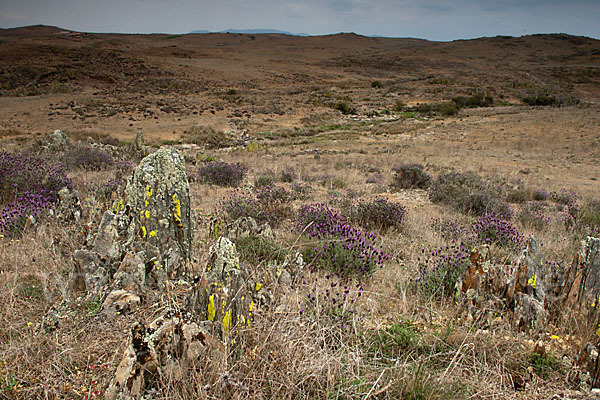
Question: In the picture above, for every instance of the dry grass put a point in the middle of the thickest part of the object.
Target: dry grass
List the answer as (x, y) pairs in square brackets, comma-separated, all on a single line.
[(285, 354)]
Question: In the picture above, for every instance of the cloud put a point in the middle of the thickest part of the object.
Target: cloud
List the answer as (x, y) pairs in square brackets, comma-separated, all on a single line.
[(430, 19)]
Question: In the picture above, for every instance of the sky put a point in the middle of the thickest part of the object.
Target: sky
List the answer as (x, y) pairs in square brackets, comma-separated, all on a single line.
[(428, 19)]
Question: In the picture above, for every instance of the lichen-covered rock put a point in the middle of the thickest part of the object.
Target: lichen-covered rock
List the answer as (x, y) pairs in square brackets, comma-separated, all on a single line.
[(247, 226), (223, 258), (158, 194), (120, 302), (131, 274), (68, 207), (58, 138), (91, 273), (165, 350), (108, 242)]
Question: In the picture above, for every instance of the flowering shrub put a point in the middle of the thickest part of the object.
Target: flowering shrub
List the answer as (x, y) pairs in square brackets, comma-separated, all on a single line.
[(491, 229), (533, 214), (288, 175), (564, 197), (468, 193), (266, 178), (336, 299), (270, 204), (341, 247), (222, 174), (440, 270), (379, 213), (28, 186), (103, 191), (410, 176), (450, 229), (320, 218), (87, 157), (242, 204), (540, 194)]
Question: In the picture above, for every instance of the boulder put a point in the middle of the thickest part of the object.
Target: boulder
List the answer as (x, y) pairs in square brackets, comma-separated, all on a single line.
[(120, 302), (167, 349), (158, 194)]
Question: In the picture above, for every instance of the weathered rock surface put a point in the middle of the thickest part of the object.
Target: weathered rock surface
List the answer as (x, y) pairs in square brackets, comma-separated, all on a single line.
[(119, 302), (158, 195), (146, 238), (165, 350)]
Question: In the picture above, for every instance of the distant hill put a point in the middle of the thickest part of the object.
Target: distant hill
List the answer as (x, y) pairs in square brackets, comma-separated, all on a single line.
[(254, 31)]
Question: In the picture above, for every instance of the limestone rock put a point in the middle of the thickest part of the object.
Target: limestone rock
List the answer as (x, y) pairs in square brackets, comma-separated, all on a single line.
[(165, 350), (91, 273), (69, 206), (158, 194), (119, 302), (247, 226), (107, 243), (131, 273), (58, 138), (223, 258)]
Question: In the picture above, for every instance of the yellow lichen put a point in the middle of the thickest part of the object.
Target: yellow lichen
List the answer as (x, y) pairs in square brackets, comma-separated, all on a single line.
[(227, 322), (531, 282), (211, 308), (143, 231), (147, 214), (148, 191)]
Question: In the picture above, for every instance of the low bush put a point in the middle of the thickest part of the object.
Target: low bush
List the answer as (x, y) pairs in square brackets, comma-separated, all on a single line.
[(341, 248), (223, 174), (476, 100), (378, 214), (257, 249), (88, 158), (29, 186), (265, 178), (288, 175), (468, 193), (344, 107), (410, 176), (440, 270), (494, 230)]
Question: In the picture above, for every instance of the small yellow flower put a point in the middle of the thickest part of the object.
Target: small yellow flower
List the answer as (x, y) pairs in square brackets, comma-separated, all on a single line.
[(152, 233), (258, 286), (531, 282), (147, 214), (29, 324), (554, 337)]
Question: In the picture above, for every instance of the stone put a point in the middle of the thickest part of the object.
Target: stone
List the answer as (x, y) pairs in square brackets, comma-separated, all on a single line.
[(158, 194), (107, 243), (68, 207), (223, 258), (120, 302), (247, 226), (58, 138), (131, 273), (91, 273), (167, 349)]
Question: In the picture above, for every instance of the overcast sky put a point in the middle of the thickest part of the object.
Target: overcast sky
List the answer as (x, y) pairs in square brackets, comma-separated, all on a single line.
[(428, 19)]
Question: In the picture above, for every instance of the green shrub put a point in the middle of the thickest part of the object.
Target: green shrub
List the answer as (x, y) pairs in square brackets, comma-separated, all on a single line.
[(410, 176), (376, 84), (344, 107), (257, 249)]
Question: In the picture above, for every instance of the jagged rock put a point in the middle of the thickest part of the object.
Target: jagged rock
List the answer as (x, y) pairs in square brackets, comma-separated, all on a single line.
[(131, 273), (529, 313), (107, 243), (247, 226), (91, 273), (58, 138), (158, 194), (119, 302), (165, 350), (69, 206), (223, 258)]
